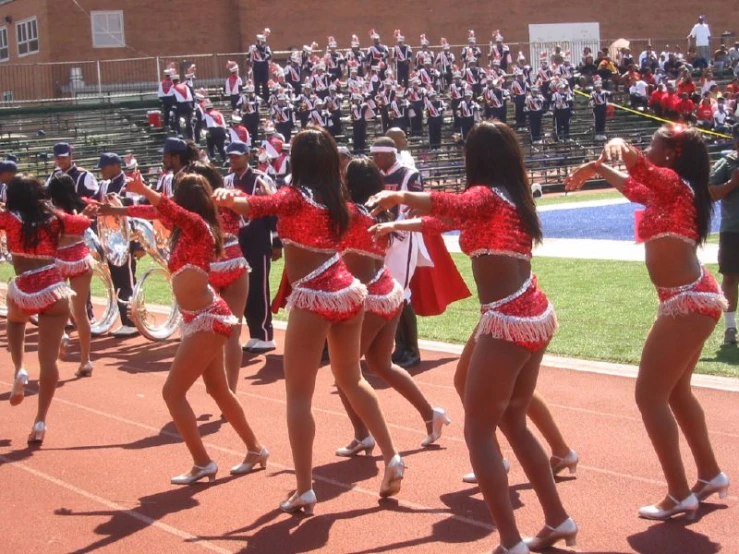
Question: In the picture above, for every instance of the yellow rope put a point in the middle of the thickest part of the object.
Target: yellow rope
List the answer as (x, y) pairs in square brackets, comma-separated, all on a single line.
[(654, 117)]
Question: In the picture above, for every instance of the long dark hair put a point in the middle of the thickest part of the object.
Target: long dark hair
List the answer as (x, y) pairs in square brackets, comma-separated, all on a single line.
[(363, 180), (210, 172), (493, 157), (63, 193), (316, 165), (27, 197), (193, 192), (192, 154), (692, 164)]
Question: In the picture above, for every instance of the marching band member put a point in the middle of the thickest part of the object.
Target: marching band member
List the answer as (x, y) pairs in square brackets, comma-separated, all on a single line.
[(165, 93), (309, 59), (335, 60), (491, 100), (199, 114), (190, 78), (543, 80), (237, 132), (357, 56), (466, 111), (445, 63), (562, 101), (378, 53), (424, 55), (500, 52), (176, 155), (384, 98), (234, 84), (365, 258), (196, 242), (518, 91), (360, 113), (85, 182), (416, 96), (260, 55), (599, 103), (456, 94), (320, 81), (249, 105), (216, 135), (282, 116), (398, 110), (474, 77), (402, 54), (326, 302), (124, 277), (75, 264), (333, 105), (497, 218), (471, 52), (535, 109), (33, 231), (292, 73), (671, 180), (185, 107), (435, 109), (427, 75), (305, 104)]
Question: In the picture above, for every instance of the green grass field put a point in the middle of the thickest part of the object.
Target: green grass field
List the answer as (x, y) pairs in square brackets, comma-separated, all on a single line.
[(605, 310), (573, 197)]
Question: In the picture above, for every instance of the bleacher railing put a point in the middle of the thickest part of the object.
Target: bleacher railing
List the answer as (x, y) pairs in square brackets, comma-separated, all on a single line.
[(137, 78)]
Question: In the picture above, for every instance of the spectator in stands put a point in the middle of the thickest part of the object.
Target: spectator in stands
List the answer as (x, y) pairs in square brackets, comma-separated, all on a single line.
[(705, 113), (655, 100), (685, 84), (685, 107), (734, 55), (721, 116), (700, 35), (648, 58), (639, 94), (672, 66), (733, 87), (721, 59), (587, 69), (659, 76), (724, 183), (557, 58), (668, 102), (707, 81), (648, 76)]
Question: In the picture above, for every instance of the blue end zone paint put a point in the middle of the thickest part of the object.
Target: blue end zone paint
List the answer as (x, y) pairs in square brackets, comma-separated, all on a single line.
[(615, 222)]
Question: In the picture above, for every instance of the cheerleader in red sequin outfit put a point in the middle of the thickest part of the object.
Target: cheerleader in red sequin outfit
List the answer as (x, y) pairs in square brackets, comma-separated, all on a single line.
[(498, 221), (76, 264), (671, 181), (33, 231), (196, 239), (326, 301), (229, 275), (365, 258)]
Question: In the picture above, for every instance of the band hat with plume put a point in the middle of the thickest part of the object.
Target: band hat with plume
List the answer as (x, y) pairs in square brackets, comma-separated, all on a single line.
[(471, 36), (232, 66), (374, 35), (444, 43), (331, 42), (191, 71), (263, 36), (424, 40), (355, 41), (398, 36)]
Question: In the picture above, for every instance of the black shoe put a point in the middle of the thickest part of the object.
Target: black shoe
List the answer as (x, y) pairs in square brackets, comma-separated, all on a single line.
[(398, 355), (411, 359), (125, 332)]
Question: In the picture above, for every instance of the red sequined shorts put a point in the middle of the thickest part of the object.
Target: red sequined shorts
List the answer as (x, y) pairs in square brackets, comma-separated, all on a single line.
[(525, 318), (385, 296), (216, 318), (702, 296), (37, 290), (74, 260), (330, 291), (229, 269)]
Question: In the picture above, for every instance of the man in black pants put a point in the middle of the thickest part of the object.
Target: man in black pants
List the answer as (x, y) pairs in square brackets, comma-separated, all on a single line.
[(259, 57), (259, 248), (123, 276)]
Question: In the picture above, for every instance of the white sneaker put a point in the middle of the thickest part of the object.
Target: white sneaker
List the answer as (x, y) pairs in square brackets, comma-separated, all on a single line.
[(256, 346), (124, 332)]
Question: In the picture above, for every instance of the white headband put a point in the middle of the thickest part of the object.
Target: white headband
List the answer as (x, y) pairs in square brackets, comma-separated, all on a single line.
[(383, 150)]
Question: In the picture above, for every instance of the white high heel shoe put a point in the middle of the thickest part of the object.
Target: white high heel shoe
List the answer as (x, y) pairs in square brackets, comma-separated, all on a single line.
[(356, 446), (257, 459), (719, 484), (520, 548), (566, 531), (64, 346), (19, 383), (471, 478), (38, 432), (305, 502), (568, 462), (394, 471), (196, 474), (687, 506), (439, 419)]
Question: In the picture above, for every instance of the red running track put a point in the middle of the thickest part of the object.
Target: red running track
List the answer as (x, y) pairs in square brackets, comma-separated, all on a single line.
[(101, 480)]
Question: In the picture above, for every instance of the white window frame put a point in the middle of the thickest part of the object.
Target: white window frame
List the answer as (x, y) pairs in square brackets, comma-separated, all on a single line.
[(4, 31), (25, 23), (106, 14)]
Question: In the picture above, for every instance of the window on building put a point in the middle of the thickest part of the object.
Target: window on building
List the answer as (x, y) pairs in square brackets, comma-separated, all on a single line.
[(26, 34), (4, 50), (107, 29)]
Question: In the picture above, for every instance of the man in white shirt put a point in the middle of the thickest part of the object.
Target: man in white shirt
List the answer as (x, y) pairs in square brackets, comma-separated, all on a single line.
[(701, 35), (401, 143), (639, 94), (734, 55)]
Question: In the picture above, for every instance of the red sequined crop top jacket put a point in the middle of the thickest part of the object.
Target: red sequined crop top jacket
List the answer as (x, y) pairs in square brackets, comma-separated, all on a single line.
[(358, 239), (302, 222), (195, 247), (48, 235), (668, 200), (231, 222), (489, 222)]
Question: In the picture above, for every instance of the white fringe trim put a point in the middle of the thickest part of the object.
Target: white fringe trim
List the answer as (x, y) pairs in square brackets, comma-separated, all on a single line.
[(384, 304), (204, 322), (228, 265), (39, 300), (77, 267), (340, 301), (691, 302), (516, 329)]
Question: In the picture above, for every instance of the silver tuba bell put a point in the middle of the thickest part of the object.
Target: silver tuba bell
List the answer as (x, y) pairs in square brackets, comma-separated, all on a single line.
[(105, 321)]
